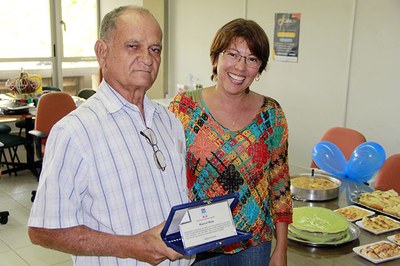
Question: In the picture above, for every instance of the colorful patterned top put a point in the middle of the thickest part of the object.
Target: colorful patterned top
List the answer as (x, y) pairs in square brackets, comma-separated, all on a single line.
[(252, 162)]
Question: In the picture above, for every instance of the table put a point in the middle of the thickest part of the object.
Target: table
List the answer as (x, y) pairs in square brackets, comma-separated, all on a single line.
[(299, 255), (30, 151)]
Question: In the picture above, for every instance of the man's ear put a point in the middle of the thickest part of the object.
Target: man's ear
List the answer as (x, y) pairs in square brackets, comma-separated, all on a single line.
[(101, 50)]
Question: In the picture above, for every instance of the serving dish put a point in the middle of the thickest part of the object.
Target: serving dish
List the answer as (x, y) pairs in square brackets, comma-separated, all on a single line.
[(305, 194), (354, 233), (393, 239), (354, 197), (361, 224), (358, 217), (358, 249)]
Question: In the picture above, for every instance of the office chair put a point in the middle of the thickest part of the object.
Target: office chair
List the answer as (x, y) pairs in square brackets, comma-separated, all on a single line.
[(4, 217), (21, 124), (11, 143), (51, 108), (85, 93), (346, 139), (388, 177), (3, 214), (46, 89)]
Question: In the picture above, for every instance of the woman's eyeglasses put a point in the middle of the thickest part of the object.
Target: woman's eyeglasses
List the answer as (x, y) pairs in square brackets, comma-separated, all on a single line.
[(151, 138), (234, 57)]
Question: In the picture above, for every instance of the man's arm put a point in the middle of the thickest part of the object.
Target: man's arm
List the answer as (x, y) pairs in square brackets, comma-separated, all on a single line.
[(146, 246)]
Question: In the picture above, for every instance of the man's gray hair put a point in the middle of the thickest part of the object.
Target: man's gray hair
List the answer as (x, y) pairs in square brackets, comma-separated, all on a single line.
[(109, 21)]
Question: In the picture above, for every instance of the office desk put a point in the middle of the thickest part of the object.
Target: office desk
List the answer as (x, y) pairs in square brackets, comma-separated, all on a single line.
[(30, 151), (301, 255)]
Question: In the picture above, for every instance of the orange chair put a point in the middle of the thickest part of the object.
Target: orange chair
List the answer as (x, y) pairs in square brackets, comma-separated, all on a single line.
[(388, 176), (51, 108), (346, 139)]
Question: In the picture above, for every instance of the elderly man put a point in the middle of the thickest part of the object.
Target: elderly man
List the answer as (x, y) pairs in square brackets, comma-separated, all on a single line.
[(115, 166)]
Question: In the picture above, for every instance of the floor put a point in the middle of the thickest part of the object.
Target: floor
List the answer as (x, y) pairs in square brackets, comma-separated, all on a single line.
[(15, 246)]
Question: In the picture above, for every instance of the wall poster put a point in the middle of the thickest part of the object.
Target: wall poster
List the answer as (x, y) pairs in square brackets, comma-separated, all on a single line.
[(286, 37)]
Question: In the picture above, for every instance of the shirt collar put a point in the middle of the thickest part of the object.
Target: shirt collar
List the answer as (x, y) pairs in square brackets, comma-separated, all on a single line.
[(114, 102)]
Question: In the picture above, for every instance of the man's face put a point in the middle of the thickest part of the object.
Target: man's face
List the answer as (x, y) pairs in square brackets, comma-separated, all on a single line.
[(134, 53)]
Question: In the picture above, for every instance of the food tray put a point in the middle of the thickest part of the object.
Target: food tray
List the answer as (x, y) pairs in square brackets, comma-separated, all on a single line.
[(360, 224), (357, 250), (354, 199), (391, 239), (369, 212), (354, 232)]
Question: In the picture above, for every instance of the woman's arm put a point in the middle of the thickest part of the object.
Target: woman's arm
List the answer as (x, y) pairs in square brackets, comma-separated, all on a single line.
[(279, 256)]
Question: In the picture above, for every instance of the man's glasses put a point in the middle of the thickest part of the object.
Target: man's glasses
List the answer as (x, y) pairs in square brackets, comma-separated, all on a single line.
[(151, 138), (234, 57)]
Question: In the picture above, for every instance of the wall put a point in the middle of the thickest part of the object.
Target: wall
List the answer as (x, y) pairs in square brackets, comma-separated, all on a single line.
[(313, 91), (108, 5), (158, 8), (193, 24), (346, 74), (373, 102)]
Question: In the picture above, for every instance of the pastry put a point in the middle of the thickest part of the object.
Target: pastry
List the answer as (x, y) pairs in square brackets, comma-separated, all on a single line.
[(352, 213), (379, 223), (396, 238), (393, 210), (381, 250), (386, 201)]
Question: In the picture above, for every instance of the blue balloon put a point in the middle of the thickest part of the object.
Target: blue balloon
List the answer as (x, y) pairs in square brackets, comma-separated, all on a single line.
[(365, 160), (328, 157)]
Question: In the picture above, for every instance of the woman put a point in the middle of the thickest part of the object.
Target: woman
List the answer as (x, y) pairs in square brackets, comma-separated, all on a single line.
[(237, 141)]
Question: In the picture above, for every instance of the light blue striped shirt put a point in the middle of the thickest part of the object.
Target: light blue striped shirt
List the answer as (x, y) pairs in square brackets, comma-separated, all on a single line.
[(98, 171)]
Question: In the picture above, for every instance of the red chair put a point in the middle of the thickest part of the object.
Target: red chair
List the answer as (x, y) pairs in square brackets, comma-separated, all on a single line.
[(388, 176), (51, 108), (346, 139)]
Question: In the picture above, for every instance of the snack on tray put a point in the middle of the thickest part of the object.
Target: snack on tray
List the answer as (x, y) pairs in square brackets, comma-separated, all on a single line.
[(381, 250), (393, 210), (380, 223), (352, 213), (386, 201)]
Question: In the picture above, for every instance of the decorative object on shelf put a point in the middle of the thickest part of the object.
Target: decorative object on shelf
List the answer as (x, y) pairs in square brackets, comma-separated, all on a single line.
[(25, 86)]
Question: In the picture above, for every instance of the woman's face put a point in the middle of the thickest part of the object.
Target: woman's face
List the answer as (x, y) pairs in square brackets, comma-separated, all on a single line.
[(234, 76)]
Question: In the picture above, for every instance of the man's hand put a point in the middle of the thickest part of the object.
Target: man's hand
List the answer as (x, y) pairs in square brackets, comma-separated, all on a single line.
[(146, 246), (152, 248)]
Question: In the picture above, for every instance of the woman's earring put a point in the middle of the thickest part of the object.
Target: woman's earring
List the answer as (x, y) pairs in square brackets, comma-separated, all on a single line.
[(257, 78)]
